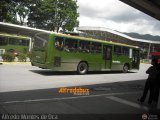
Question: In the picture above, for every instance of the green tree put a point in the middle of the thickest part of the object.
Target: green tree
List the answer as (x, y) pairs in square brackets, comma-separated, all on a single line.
[(54, 14), (22, 10), (44, 14), (143, 54), (13, 10), (7, 11)]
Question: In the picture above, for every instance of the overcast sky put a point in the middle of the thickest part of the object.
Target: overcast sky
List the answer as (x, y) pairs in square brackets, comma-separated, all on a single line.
[(116, 15)]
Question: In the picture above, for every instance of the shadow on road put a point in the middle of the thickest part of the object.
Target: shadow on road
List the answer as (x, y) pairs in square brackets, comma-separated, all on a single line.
[(52, 73), (104, 88)]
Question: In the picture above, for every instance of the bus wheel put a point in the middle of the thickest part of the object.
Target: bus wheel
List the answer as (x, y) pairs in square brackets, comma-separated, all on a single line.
[(125, 68), (82, 68)]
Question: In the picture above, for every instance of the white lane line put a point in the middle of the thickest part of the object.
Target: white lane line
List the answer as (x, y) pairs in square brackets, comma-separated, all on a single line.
[(135, 105), (67, 98)]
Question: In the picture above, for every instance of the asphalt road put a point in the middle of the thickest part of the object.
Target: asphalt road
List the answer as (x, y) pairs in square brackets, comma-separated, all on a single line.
[(106, 101), (31, 93), (26, 77)]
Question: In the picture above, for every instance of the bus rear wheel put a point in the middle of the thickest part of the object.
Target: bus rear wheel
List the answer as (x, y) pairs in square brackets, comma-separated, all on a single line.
[(82, 68), (125, 68)]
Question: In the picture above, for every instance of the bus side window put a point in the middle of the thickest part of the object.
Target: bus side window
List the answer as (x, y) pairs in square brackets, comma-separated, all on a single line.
[(117, 50), (125, 51), (95, 47), (70, 45), (59, 42), (84, 46)]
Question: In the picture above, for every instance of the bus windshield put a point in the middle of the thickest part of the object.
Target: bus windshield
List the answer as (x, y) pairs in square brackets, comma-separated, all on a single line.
[(40, 41)]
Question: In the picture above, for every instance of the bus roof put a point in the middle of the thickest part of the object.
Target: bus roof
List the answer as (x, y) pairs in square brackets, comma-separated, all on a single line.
[(95, 40)]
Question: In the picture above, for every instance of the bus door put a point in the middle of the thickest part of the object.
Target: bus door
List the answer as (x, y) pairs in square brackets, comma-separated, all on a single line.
[(135, 59), (107, 56)]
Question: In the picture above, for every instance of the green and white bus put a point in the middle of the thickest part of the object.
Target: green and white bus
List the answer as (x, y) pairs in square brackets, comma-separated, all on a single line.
[(61, 52)]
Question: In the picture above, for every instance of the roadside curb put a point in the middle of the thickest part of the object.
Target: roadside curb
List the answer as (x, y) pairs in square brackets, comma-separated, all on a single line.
[(145, 63), (15, 63)]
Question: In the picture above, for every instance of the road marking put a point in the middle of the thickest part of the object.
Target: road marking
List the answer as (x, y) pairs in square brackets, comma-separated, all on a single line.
[(67, 98), (128, 103)]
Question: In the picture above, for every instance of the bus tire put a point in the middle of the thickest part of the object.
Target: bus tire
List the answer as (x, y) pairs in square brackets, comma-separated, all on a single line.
[(82, 68), (125, 68)]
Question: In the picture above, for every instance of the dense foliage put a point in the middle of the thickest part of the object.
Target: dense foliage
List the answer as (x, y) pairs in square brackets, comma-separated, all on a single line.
[(8, 57), (43, 14)]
